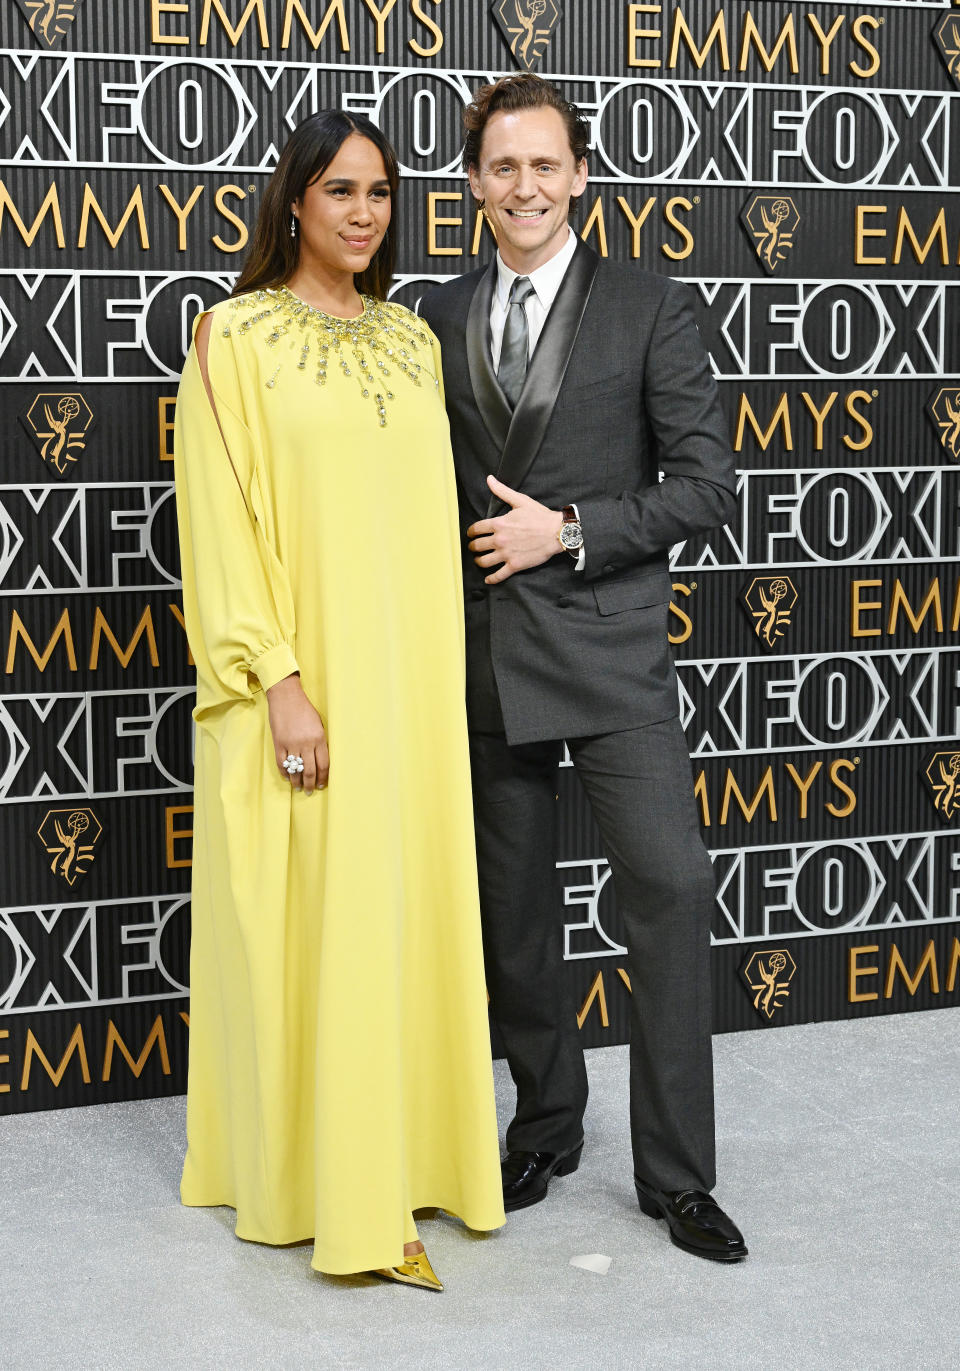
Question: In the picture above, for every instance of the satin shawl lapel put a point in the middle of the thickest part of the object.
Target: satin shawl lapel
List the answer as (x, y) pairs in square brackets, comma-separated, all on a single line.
[(491, 401), (547, 369)]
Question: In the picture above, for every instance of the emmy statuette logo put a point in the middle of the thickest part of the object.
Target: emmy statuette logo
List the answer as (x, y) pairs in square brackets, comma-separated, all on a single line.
[(528, 26), (768, 976), (946, 38), (942, 773), (58, 422), (769, 600), (49, 20), (770, 222), (944, 410), (70, 837)]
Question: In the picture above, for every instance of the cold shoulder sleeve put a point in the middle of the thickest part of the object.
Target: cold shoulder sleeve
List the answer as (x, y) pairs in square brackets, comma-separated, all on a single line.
[(238, 605)]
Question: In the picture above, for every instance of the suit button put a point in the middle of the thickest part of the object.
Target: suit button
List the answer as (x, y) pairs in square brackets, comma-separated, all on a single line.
[(564, 602), (609, 567), (478, 595)]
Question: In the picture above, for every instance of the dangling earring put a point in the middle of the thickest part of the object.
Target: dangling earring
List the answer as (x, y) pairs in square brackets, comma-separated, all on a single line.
[(293, 224)]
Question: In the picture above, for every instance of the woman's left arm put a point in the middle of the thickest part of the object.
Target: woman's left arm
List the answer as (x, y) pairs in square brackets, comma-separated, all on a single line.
[(237, 601)]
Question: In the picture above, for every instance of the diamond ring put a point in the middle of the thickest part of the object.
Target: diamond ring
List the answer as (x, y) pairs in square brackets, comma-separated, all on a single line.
[(293, 765)]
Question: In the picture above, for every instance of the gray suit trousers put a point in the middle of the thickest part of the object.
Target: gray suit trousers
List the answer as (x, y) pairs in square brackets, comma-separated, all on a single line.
[(638, 784)]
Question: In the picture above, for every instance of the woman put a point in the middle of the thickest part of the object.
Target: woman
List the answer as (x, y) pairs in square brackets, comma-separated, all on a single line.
[(340, 1071)]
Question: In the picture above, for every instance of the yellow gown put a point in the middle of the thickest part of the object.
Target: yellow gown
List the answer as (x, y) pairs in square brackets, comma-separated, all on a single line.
[(340, 1072)]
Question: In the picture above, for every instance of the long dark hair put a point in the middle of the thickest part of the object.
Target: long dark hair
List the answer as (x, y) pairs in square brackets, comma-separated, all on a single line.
[(273, 255)]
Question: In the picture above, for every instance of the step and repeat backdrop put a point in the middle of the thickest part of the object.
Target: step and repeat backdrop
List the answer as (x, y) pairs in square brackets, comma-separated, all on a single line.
[(797, 164)]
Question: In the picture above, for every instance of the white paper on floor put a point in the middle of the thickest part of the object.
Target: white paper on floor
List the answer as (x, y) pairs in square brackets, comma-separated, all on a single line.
[(592, 1261)]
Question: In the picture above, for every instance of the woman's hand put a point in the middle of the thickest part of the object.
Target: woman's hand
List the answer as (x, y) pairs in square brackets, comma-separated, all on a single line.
[(298, 731)]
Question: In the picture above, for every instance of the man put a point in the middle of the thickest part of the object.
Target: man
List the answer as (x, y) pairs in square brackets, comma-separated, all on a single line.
[(571, 383)]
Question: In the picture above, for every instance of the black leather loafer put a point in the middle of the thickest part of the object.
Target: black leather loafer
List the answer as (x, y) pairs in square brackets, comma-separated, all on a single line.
[(526, 1175), (696, 1222)]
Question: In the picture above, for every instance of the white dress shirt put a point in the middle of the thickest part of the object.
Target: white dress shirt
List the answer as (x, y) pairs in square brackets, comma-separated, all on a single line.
[(546, 282)]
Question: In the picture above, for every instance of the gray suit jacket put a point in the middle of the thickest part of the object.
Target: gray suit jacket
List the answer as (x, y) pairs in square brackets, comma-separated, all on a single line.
[(619, 389)]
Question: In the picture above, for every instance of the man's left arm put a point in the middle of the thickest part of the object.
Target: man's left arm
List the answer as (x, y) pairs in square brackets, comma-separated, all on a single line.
[(692, 449)]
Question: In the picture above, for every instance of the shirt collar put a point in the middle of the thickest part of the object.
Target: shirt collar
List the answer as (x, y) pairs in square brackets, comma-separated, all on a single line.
[(546, 280)]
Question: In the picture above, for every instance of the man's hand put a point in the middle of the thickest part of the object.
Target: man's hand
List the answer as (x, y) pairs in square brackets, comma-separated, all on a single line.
[(526, 537)]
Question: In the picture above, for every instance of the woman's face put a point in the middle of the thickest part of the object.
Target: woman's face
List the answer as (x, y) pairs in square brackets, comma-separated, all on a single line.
[(345, 212)]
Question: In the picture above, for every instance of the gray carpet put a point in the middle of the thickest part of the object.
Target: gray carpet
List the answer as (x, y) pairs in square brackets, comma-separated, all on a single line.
[(838, 1157)]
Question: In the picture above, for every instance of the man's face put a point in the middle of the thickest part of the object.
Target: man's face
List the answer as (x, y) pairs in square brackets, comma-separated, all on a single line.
[(526, 176)]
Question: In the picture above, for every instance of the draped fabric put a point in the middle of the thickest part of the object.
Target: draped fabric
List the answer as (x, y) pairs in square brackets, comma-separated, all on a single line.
[(340, 1071)]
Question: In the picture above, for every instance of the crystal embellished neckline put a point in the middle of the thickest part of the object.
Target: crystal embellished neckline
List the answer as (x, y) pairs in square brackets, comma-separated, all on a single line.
[(384, 339), (315, 309)]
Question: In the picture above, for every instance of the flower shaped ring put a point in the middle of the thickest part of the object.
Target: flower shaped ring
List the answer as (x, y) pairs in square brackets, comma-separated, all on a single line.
[(293, 765)]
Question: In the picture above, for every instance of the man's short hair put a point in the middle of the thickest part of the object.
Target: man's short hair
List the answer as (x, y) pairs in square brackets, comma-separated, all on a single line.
[(511, 93)]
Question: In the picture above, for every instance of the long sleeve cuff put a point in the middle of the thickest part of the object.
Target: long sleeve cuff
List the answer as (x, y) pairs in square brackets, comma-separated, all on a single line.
[(274, 665)]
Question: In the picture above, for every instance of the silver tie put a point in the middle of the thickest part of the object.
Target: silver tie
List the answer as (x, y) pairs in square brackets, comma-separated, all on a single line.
[(512, 371)]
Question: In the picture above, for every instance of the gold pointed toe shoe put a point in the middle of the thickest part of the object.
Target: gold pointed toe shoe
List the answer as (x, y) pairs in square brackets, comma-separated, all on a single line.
[(413, 1271)]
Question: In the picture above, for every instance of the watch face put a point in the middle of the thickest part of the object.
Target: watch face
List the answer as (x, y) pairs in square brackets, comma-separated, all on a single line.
[(571, 535)]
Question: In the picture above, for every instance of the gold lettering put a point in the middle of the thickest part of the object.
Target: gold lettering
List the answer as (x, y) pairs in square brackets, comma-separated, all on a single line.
[(166, 409), (234, 33), (62, 630), (861, 232), (864, 21), (51, 205), (134, 206), (858, 607), (177, 613), (595, 220), (431, 24), (636, 222), (938, 231), (155, 1038), (102, 629), (804, 784), (157, 8), (478, 224), (818, 415), (625, 978), (928, 962), (234, 219), (4, 1059), (315, 37), (751, 34), (860, 419), (681, 202), (181, 211), (842, 764), (825, 39), (635, 33), (765, 787), (899, 600), (855, 971), (380, 18), (176, 835), (596, 992), (954, 965), (436, 221), (700, 793), (33, 1049), (781, 415), (717, 34), (676, 638)]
